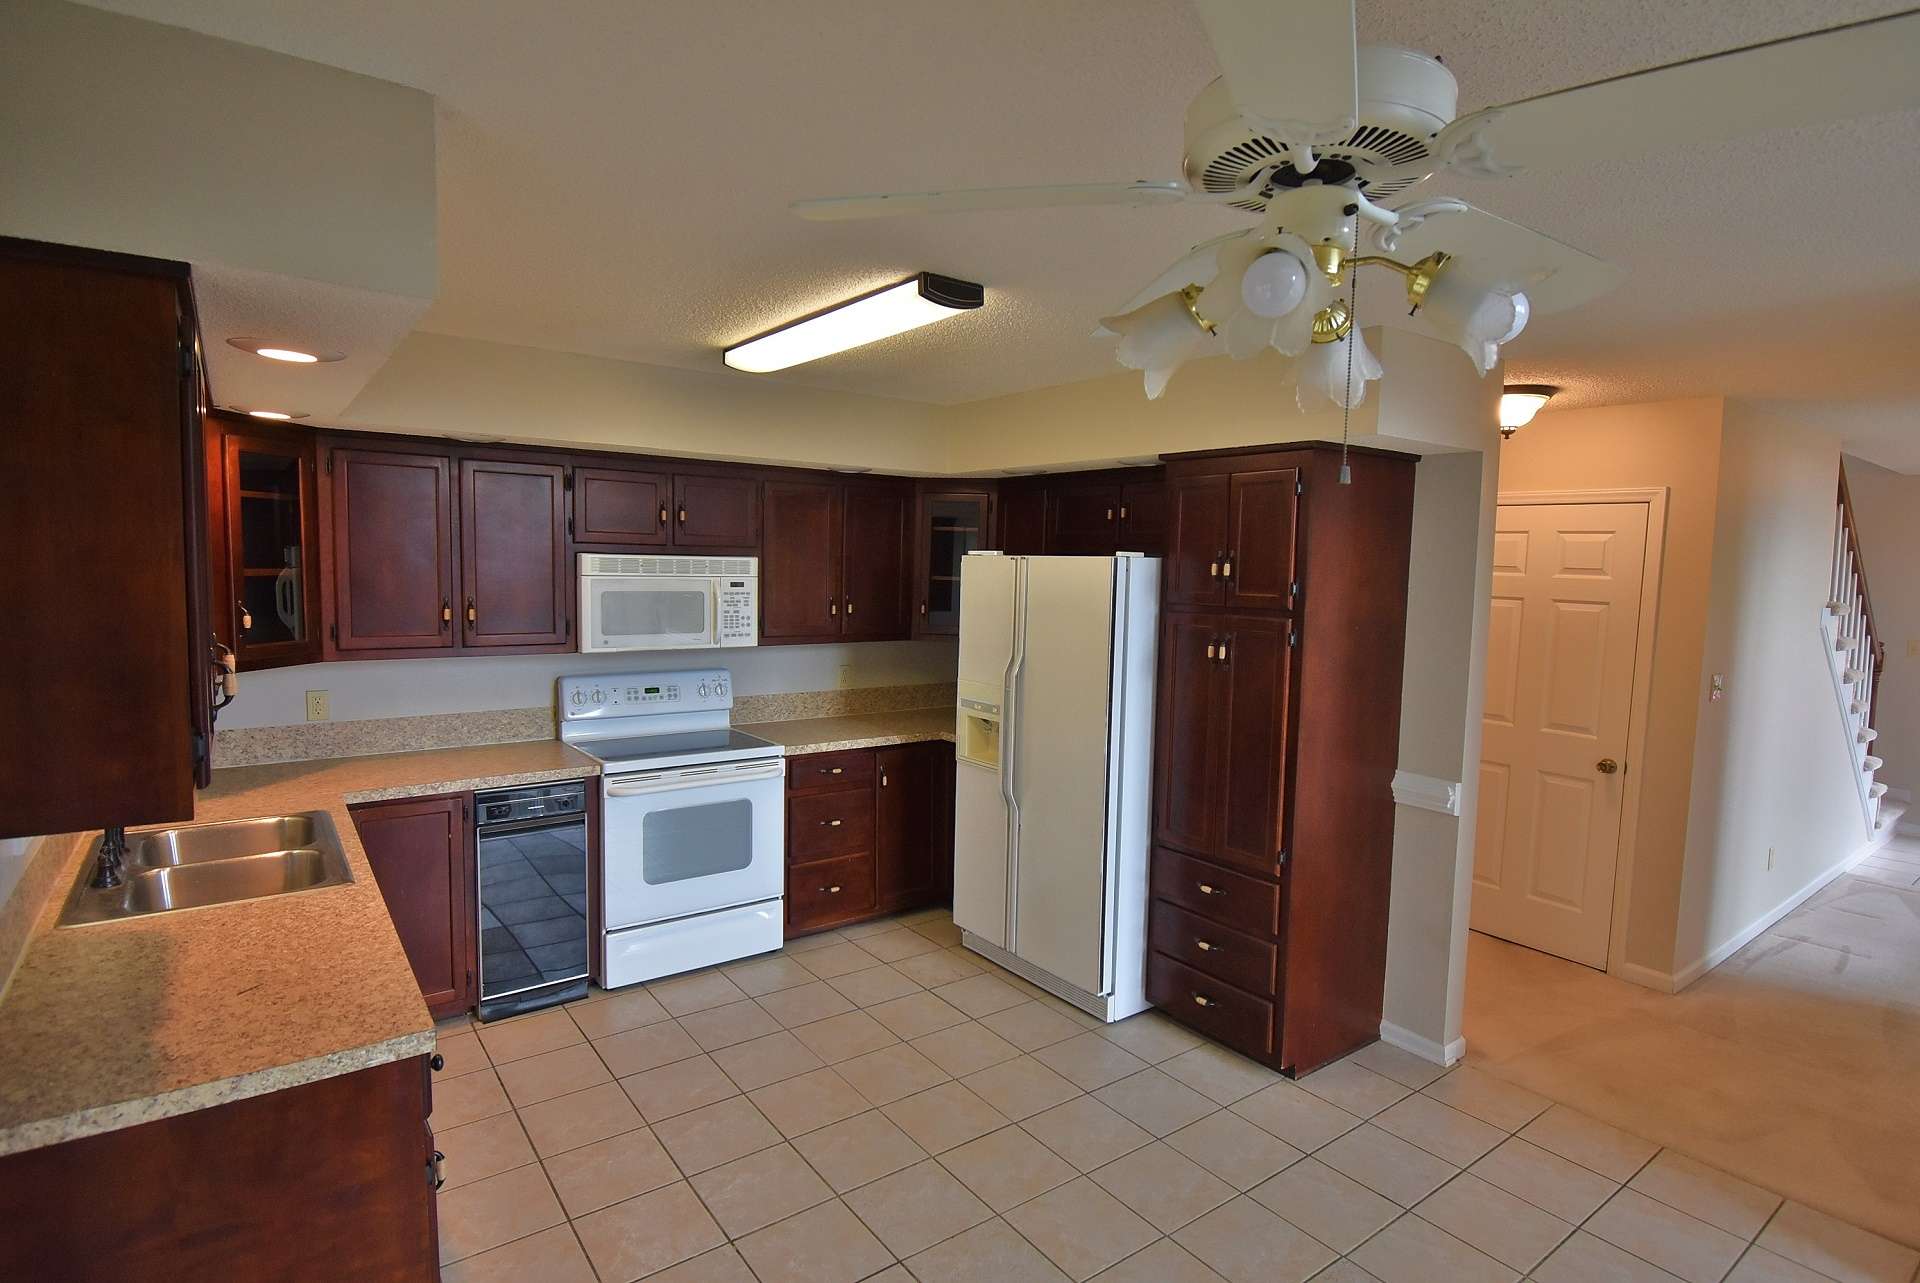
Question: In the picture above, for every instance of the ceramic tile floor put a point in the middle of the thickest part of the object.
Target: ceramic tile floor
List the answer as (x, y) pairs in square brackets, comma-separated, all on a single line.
[(879, 1103)]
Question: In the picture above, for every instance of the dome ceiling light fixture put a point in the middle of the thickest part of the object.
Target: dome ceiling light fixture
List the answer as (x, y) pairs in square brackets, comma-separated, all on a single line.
[(1313, 135), (274, 350), (1519, 402)]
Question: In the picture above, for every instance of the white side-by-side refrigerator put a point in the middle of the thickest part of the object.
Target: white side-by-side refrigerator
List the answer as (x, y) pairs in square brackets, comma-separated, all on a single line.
[(1053, 769)]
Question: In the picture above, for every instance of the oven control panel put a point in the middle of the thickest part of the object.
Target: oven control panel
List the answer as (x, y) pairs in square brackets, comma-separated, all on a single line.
[(636, 694)]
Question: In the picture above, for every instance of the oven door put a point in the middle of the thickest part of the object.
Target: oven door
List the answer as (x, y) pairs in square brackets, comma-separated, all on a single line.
[(623, 612), (692, 839)]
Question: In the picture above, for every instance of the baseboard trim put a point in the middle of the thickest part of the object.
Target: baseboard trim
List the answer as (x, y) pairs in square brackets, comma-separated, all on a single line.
[(1426, 792), (1645, 977), (1425, 1048), (1753, 930)]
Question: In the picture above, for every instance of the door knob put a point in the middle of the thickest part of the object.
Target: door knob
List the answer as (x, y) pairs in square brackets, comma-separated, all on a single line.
[(1606, 766)]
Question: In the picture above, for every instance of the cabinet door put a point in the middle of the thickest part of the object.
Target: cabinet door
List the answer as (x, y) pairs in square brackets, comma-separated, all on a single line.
[(1143, 517), (1260, 539), (1023, 520), (513, 554), (905, 842), (422, 858), (1197, 510), (873, 576), (1252, 741), (716, 512), (615, 506), (271, 575), (1187, 750), (1083, 520), (800, 570), (393, 565), (947, 528)]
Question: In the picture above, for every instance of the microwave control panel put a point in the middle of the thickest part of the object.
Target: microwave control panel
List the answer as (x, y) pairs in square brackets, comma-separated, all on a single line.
[(628, 694), (738, 601)]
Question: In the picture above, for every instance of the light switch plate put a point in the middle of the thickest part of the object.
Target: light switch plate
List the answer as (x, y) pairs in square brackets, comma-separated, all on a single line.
[(318, 709)]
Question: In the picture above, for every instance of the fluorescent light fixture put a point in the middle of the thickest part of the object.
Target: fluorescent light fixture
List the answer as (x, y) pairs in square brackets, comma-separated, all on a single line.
[(275, 351), (1519, 402), (893, 309)]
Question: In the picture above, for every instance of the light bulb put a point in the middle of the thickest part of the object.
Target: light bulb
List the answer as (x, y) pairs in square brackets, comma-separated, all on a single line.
[(1274, 284), (1157, 339)]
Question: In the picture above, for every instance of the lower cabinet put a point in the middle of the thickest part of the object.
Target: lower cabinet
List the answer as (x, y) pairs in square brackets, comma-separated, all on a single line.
[(869, 832), (421, 850), (325, 1181)]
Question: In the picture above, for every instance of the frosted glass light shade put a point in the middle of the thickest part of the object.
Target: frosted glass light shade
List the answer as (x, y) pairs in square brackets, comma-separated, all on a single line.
[(1322, 376), (1157, 339), (1519, 402), (1475, 318)]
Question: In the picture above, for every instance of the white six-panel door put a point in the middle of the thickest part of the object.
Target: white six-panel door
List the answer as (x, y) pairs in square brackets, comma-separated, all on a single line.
[(1560, 666)]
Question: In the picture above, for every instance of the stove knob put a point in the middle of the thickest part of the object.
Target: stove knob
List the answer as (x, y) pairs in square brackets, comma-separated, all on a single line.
[(579, 698), (703, 690), (599, 696)]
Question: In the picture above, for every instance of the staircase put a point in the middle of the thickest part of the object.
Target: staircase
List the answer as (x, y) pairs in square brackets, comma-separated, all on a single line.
[(1856, 655)]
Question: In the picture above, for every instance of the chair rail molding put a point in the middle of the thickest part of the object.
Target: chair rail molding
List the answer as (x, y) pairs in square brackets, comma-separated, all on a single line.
[(1427, 792)]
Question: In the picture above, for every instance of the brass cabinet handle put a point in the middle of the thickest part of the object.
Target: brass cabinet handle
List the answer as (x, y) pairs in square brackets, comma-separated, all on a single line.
[(1606, 766), (1123, 512), (1207, 888), (830, 824), (832, 770), (883, 779), (1201, 1000), (833, 607), (446, 613), (1211, 647), (473, 615), (246, 617), (1213, 567), (1223, 647), (683, 514), (923, 607), (1109, 514), (849, 605), (1207, 946), (831, 890), (663, 514), (1226, 565)]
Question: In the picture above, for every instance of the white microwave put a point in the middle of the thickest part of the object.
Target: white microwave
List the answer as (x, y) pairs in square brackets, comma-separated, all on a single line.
[(668, 603)]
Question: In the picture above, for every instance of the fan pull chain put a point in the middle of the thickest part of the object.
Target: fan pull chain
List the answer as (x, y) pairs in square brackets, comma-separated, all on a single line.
[(1353, 334)]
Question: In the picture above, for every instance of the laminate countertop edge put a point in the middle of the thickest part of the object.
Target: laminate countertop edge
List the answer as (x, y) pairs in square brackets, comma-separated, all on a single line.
[(859, 730)]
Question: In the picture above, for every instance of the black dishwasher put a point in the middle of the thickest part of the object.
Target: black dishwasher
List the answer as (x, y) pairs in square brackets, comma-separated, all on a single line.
[(532, 847)]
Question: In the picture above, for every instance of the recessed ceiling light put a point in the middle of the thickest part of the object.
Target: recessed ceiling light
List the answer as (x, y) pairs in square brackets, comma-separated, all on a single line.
[(894, 309), (277, 416), (274, 351)]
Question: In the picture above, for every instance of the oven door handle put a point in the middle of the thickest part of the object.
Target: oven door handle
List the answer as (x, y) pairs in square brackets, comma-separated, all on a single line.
[(693, 777)]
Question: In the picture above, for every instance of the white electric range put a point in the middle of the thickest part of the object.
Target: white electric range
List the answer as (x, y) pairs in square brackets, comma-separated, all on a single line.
[(692, 842)]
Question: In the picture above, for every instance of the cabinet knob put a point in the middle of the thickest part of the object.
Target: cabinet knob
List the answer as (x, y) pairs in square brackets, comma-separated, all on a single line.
[(1207, 888), (1123, 512), (923, 608), (246, 617), (1226, 566), (830, 890), (833, 770), (849, 605), (436, 1062), (1223, 647), (833, 607), (1109, 514), (683, 515), (473, 615), (1211, 649), (830, 824), (1207, 946), (1201, 1000), (883, 779)]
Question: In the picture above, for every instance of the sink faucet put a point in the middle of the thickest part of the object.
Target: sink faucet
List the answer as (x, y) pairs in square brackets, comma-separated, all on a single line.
[(111, 859)]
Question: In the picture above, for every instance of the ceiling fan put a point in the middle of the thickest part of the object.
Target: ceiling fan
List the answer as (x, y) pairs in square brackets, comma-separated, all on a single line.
[(1314, 134)]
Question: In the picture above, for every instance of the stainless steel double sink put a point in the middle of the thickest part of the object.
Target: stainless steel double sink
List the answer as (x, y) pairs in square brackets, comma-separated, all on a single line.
[(196, 865)]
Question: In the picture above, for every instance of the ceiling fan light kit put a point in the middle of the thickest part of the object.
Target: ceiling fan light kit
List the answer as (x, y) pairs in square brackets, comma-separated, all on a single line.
[(1311, 132), (893, 309)]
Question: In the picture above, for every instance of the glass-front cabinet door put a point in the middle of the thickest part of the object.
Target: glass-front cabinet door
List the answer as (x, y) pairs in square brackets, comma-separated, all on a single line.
[(272, 598), (951, 525)]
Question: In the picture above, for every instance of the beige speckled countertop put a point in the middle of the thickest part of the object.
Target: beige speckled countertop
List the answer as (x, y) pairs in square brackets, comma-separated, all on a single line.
[(109, 1025), (860, 730)]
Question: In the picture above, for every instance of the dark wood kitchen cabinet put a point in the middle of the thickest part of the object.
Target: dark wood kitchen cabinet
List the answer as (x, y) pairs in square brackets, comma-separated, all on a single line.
[(421, 850), (948, 524), (622, 507), (1023, 516), (392, 550), (514, 576), (105, 646), (834, 563), (1281, 655), (1083, 518), (1085, 514), (263, 541), (332, 1179), (716, 512), (869, 832)]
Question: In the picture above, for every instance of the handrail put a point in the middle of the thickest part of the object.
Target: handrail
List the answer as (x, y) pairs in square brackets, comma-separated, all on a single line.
[(1875, 648)]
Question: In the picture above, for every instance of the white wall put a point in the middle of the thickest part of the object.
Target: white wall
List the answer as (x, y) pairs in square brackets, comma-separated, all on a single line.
[(1886, 509), (1771, 767), (412, 687)]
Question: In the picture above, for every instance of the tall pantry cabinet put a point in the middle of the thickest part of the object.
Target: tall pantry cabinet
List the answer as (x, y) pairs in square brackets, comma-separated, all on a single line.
[(1281, 648)]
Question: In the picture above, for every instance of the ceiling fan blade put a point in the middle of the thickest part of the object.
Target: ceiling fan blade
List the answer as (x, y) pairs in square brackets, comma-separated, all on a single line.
[(1289, 64), (1492, 252), (1865, 69), (1197, 266), (960, 200)]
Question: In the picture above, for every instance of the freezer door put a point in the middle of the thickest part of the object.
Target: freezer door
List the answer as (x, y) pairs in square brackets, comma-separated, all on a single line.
[(987, 583), (1057, 737), (983, 814)]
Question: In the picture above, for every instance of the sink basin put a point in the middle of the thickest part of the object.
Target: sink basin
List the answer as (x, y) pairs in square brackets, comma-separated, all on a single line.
[(196, 865)]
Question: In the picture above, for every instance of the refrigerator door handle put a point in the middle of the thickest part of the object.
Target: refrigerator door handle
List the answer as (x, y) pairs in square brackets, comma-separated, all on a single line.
[(1009, 738)]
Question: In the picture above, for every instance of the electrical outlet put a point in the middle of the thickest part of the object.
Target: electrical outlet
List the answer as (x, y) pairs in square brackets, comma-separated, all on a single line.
[(1769, 859), (846, 676), (318, 709)]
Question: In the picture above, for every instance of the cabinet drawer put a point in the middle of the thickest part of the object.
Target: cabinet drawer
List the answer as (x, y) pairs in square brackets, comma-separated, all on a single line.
[(1213, 892), (823, 825), (1239, 959), (818, 771), (1220, 1011), (830, 891)]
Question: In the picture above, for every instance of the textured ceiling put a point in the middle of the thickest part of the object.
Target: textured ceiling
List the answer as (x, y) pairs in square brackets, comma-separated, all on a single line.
[(614, 176)]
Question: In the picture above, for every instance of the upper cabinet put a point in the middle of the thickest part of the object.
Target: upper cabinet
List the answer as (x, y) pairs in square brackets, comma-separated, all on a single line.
[(1083, 518), (948, 524), (834, 561), (513, 554), (1231, 539), (1023, 517), (1086, 514), (265, 574), (716, 512), (104, 650), (623, 508)]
